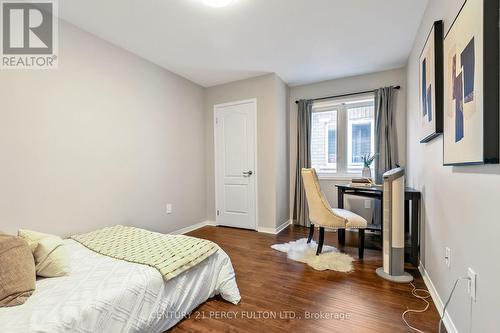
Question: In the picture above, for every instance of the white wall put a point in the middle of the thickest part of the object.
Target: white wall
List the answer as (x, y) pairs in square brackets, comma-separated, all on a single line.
[(460, 206), (107, 138), (272, 144), (342, 86)]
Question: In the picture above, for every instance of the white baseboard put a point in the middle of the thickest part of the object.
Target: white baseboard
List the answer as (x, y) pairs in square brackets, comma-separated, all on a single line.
[(448, 323), (274, 231), (283, 226), (266, 230), (192, 227)]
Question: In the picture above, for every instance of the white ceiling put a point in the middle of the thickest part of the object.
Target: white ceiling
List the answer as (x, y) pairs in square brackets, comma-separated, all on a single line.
[(302, 41)]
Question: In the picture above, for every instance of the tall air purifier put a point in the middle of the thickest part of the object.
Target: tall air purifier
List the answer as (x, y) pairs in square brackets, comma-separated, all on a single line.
[(393, 232)]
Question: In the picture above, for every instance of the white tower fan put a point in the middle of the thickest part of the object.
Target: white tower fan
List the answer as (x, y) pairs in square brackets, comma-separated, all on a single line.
[(393, 232)]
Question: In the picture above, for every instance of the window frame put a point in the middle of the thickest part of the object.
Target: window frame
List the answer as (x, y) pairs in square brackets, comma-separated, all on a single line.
[(357, 167), (341, 106), (328, 107)]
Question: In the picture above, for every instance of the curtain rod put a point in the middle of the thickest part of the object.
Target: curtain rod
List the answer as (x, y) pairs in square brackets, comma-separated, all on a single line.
[(345, 95)]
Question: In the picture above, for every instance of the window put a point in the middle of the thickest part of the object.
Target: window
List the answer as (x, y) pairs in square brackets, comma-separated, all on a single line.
[(324, 139), (360, 138), (342, 131)]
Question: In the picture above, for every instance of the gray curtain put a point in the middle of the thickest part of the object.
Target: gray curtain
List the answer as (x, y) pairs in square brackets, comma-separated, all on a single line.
[(385, 138), (385, 132), (300, 214)]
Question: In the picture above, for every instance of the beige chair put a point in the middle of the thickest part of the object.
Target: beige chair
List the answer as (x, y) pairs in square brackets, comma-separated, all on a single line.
[(321, 214)]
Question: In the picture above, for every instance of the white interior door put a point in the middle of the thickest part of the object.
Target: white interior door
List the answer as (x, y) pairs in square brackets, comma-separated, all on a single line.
[(235, 161)]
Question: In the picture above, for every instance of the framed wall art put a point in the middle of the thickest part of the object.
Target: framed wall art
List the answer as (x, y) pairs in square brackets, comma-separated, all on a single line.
[(431, 84), (471, 85)]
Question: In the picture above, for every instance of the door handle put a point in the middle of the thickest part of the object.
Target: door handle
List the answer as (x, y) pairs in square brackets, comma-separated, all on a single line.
[(248, 173)]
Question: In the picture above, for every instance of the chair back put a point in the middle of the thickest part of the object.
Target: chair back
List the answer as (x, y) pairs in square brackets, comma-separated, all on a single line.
[(320, 211)]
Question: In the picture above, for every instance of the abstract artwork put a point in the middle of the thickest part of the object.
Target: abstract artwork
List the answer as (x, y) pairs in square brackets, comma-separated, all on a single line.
[(462, 86), (431, 84), (471, 88)]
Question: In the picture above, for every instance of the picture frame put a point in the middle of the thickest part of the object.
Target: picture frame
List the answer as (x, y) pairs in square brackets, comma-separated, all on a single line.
[(431, 84), (471, 86)]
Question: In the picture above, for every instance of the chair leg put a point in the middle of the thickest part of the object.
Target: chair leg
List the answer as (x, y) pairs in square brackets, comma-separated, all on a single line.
[(320, 240), (311, 233), (361, 243), (341, 236)]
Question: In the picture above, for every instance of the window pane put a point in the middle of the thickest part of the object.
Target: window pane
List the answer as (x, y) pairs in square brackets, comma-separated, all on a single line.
[(361, 141), (324, 141), (332, 145), (360, 135)]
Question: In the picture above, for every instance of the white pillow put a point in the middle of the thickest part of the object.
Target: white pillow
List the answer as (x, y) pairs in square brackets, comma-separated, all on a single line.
[(51, 257)]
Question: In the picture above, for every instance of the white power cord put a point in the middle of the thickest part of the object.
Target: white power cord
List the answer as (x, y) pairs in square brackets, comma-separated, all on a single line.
[(415, 292), (424, 298), (449, 299)]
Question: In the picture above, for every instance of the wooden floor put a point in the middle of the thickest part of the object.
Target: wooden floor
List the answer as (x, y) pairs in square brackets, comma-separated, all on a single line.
[(272, 285)]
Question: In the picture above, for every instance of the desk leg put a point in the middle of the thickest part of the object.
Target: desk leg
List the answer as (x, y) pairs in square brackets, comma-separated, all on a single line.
[(381, 222), (408, 251), (415, 209), (382, 213), (340, 198), (340, 204), (407, 216)]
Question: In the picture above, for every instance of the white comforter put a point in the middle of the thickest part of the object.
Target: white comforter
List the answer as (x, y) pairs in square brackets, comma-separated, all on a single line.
[(103, 294)]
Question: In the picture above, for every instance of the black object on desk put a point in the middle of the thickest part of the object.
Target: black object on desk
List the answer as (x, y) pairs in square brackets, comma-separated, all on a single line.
[(412, 226)]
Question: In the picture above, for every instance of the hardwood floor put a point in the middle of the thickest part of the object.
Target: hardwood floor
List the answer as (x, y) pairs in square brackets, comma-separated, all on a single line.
[(272, 285)]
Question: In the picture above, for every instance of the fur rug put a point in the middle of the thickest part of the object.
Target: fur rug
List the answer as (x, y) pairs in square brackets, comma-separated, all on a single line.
[(329, 258)]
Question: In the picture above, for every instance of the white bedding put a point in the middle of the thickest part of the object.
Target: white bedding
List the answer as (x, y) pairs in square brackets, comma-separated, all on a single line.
[(103, 294)]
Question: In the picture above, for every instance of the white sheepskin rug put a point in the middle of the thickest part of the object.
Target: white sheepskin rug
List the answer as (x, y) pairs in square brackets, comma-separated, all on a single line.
[(329, 258)]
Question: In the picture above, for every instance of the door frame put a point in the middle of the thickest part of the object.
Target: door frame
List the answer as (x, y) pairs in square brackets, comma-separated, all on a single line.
[(256, 171)]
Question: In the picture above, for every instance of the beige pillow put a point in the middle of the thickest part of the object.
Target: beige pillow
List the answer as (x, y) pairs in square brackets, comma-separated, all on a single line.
[(17, 271), (51, 257), (32, 237)]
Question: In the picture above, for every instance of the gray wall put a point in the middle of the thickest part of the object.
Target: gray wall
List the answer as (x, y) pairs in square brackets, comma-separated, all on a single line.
[(459, 206), (271, 143), (282, 153), (341, 86), (107, 138)]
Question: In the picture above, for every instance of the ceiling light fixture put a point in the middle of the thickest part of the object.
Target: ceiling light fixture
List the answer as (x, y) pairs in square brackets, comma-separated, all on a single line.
[(217, 3)]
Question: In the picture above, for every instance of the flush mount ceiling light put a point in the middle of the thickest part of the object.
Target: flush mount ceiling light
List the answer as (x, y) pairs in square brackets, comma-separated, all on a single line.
[(217, 3)]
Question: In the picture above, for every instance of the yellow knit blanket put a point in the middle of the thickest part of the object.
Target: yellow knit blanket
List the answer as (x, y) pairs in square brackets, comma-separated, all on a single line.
[(169, 254)]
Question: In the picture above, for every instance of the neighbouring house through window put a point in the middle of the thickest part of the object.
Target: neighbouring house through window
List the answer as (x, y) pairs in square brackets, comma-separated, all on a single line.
[(342, 131)]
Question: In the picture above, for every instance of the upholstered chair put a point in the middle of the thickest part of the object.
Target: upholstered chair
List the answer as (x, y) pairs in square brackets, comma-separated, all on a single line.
[(322, 215)]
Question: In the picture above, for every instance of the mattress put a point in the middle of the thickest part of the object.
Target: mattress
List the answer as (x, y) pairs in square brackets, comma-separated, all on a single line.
[(103, 294)]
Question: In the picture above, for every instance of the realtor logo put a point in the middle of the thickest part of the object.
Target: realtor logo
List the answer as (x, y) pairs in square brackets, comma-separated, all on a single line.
[(29, 34)]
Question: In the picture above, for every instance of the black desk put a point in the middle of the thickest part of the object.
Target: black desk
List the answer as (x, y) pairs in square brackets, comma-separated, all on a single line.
[(412, 226)]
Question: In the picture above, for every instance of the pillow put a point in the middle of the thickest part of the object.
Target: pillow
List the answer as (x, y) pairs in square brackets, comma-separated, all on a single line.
[(51, 257), (17, 271), (32, 237)]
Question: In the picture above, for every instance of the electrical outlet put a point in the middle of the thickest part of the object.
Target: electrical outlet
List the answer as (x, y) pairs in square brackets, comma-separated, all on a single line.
[(447, 257), (169, 208), (472, 283), (368, 204)]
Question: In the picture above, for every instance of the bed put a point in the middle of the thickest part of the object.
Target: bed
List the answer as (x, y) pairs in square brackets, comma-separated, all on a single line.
[(103, 294)]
